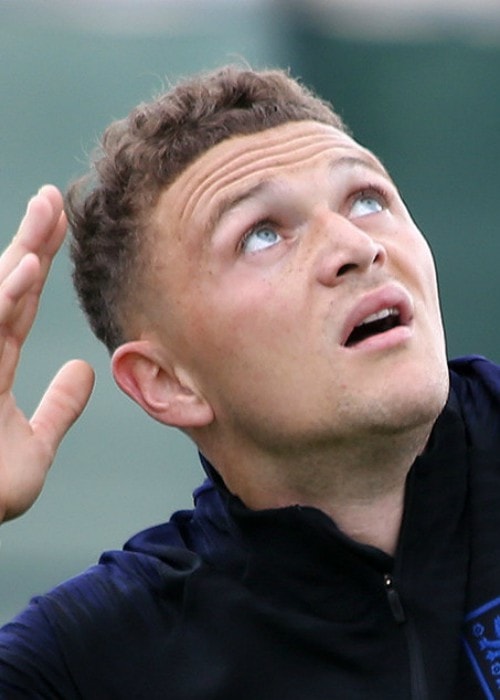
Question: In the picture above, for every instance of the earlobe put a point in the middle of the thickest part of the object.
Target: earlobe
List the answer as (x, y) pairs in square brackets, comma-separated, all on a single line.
[(157, 387)]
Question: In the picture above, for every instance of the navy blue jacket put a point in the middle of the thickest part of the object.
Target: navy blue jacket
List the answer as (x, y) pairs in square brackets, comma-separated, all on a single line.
[(231, 604)]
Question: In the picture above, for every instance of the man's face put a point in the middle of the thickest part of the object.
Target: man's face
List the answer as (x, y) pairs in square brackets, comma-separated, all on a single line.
[(300, 296)]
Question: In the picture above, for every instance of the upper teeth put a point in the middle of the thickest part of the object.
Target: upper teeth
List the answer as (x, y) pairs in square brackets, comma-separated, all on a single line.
[(378, 315)]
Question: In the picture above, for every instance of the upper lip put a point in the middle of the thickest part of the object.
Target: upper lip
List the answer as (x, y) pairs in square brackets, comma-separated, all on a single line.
[(390, 296)]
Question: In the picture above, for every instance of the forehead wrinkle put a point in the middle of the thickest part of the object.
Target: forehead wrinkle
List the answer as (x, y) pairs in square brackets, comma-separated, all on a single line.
[(246, 160), (246, 163), (227, 203)]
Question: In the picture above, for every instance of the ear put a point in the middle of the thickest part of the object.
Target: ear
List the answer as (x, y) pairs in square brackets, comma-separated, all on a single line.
[(164, 393)]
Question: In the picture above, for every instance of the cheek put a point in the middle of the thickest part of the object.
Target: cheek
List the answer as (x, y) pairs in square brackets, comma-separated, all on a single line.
[(428, 270), (216, 321), (236, 306), (420, 262), (244, 331)]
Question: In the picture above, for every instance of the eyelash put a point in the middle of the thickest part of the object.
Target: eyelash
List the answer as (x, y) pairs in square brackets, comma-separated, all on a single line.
[(263, 223), (374, 190)]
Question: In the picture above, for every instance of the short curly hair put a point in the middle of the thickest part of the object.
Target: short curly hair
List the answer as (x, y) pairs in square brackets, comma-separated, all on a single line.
[(109, 209)]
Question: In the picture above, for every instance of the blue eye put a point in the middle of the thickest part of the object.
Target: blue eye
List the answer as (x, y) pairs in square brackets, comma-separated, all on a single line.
[(365, 204), (260, 239)]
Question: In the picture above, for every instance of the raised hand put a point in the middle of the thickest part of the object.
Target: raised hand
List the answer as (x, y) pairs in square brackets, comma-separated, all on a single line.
[(27, 447)]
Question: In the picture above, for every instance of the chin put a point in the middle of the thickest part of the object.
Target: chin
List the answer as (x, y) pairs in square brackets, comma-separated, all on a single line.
[(418, 401)]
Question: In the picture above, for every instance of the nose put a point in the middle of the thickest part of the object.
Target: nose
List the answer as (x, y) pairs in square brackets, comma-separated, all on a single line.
[(346, 249)]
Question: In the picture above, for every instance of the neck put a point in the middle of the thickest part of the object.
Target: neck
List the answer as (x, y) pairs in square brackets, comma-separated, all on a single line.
[(375, 521), (361, 486)]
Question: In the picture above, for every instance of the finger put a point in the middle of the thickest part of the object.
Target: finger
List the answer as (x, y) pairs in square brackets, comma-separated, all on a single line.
[(55, 198), (48, 251), (62, 404), (41, 231), (51, 243), (42, 215), (17, 311), (52, 194), (15, 286), (15, 289)]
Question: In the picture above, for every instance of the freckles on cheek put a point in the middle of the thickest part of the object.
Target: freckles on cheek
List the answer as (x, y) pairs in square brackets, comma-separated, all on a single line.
[(244, 307)]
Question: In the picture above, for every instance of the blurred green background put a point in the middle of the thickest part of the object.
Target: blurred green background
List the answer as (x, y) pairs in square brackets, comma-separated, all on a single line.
[(421, 90)]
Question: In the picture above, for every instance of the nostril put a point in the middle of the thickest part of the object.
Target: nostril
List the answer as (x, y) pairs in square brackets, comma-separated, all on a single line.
[(346, 268)]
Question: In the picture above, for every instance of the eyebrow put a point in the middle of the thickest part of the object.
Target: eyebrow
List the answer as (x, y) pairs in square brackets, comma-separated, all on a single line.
[(227, 204), (356, 162)]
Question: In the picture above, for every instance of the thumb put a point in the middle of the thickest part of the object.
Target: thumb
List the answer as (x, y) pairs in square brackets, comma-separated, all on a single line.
[(63, 403)]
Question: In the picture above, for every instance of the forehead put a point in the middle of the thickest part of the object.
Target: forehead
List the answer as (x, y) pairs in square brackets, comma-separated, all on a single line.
[(232, 168)]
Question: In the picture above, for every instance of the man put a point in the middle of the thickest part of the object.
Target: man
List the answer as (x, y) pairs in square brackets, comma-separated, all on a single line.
[(262, 286)]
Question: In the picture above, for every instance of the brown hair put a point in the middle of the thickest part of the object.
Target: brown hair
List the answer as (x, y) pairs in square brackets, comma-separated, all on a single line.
[(139, 156)]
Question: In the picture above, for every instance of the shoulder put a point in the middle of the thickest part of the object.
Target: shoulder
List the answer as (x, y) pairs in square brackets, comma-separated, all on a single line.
[(475, 386), (96, 630), (475, 380), (151, 570), (118, 609), (91, 632), (476, 370)]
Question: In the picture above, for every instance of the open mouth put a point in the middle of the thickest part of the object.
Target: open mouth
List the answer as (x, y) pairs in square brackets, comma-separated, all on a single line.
[(374, 324)]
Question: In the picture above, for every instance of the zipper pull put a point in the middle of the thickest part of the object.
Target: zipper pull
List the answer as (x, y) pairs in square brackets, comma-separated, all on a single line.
[(394, 600)]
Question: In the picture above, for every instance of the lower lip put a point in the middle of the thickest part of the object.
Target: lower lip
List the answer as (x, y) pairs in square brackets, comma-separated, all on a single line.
[(383, 341)]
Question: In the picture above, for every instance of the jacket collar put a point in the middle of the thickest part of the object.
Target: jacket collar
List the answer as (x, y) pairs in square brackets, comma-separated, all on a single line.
[(283, 548)]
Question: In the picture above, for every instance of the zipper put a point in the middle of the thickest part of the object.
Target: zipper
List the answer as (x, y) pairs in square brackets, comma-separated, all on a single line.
[(394, 600), (418, 679)]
